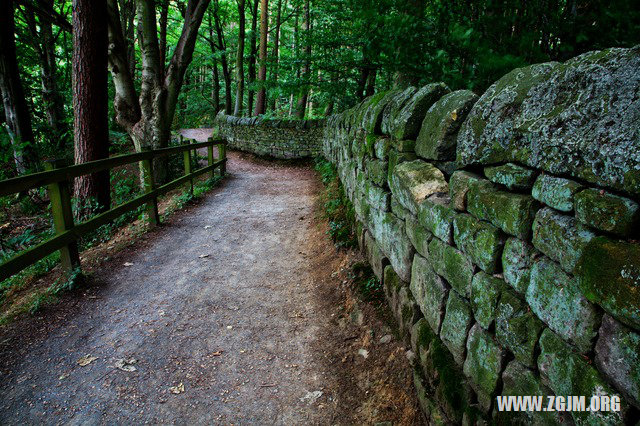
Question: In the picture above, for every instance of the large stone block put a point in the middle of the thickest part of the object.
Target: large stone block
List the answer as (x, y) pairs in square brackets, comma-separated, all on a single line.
[(618, 357), (608, 274), (408, 311), (453, 265), (517, 259), (481, 241), (518, 380), (517, 328), (399, 211), (483, 364), (375, 256), (513, 213), (377, 197), (512, 176), (377, 171), (437, 137), (396, 157), (389, 232), (485, 294), (458, 187), (418, 236), (555, 191), (435, 215), (413, 181), (393, 107), (407, 121), (607, 212), (392, 285), (554, 296), (577, 119), (429, 290), (560, 237), (567, 373), (381, 148), (455, 326)]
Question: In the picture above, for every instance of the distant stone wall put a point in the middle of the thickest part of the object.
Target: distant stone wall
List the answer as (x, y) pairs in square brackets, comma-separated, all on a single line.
[(284, 139), (505, 231)]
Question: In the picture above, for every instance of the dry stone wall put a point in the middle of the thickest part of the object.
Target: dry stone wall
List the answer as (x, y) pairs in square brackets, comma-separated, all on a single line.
[(283, 139), (504, 229)]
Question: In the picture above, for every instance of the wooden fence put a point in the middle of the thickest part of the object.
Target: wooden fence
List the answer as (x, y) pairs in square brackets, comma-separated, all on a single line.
[(58, 180)]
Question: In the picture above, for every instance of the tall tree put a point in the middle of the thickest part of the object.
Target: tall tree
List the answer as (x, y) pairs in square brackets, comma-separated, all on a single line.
[(306, 67), (16, 110), (253, 50), (90, 97), (276, 52), (148, 118), (237, 111), (43, 41), (261, 101), (222, 47)]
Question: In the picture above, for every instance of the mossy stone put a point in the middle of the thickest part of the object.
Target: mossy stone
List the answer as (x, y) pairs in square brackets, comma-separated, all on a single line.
[(618, 357), (389, 232), (512, 176), (517, 259), (396, 158), (413, 181), (401, 212), (377, 171), (608, 274), (485, 293), (452, 264), (435, 215), (458, 187), (483, 242), (396, 102), (555, 191), (607, 212), (418, 236), (517, 328), (429, 291), (375, 256), (483, 364), (408, 311), (513, 213), (392, 285), (382, 147), (437, 137), (560, 237), (567, 373), (555, 298), (455, 326)]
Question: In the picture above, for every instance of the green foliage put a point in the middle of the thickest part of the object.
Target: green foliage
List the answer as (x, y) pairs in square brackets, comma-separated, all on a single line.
[(71, 282), (367, 284), (337, 209)]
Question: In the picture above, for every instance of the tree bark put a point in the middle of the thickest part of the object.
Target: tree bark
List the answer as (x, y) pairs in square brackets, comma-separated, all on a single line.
[(252, 56), (164, 15), (16, 110), (226, 74), (261, 101), (306, 68), (276, 53), (90, 99), (237, 111)]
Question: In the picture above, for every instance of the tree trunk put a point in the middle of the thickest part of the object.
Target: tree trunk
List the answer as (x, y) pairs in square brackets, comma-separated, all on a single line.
[(226, 74), (164, 15), (16, 109), (216, 87), (237, 111), (261, 101), (90, 99), (304, 95), (252, 56), (276, 53)]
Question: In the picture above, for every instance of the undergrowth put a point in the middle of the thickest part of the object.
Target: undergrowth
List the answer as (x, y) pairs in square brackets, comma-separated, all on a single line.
[(338, 210)]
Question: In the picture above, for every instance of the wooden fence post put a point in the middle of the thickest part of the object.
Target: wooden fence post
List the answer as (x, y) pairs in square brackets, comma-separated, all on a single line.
[(222, 153), (187, 166), (149, 185), (210, 158), (60, 198)]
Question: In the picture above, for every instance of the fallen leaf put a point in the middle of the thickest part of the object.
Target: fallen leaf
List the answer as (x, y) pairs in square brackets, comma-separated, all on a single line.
[(364, 353), (86, 360), (217, 353), (202, 256), (126, 365), (128, 264), (207, 226), (64, 376), (454, 115), (177, 389)]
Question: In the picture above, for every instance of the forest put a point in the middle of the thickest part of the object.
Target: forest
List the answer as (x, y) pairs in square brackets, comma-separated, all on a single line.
[(83, 80)]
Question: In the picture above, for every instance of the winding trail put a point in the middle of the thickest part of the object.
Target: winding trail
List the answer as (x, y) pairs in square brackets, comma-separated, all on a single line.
[(227, 307)]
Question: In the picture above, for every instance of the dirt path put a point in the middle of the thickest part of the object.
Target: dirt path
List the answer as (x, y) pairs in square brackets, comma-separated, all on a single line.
[(234, 306)]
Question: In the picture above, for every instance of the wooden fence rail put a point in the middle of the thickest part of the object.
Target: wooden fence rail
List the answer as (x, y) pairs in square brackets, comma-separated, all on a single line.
[(58, 180)]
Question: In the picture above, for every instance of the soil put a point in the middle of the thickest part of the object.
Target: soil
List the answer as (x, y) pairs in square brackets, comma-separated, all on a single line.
[(237, 310)]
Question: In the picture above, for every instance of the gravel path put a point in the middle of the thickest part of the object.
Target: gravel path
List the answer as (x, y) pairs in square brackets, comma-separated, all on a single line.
[(220, 319)]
